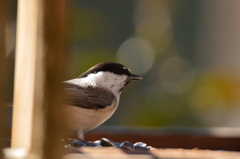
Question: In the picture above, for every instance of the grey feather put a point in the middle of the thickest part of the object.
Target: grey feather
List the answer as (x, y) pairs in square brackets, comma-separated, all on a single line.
[(89, 97)]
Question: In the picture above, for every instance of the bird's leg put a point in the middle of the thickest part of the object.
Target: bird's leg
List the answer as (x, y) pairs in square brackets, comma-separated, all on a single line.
[(86, 142), (80, 137)]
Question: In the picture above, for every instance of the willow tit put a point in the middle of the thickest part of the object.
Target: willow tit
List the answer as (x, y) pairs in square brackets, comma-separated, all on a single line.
[(93, 97)]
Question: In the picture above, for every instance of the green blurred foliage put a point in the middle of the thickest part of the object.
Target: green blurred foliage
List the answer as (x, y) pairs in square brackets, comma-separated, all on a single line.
[(178, 89)]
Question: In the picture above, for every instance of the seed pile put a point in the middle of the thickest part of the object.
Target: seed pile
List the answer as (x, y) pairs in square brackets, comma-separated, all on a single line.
[(104, 142)]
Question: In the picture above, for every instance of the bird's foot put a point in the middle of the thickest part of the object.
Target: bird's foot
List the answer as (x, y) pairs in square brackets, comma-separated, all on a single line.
[(67, 141), (88, 143)]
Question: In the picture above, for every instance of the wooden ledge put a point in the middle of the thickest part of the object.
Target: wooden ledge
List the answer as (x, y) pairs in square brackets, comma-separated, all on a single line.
[(186, 138), (102, 152)]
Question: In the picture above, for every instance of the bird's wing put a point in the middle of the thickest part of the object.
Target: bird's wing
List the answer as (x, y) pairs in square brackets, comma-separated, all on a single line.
[(89, 97)]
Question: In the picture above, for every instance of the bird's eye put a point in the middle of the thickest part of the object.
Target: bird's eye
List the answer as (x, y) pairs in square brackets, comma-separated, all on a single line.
[(118, 72)]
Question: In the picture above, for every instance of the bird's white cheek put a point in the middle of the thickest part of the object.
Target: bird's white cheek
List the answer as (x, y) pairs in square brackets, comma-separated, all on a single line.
[(111, 81)]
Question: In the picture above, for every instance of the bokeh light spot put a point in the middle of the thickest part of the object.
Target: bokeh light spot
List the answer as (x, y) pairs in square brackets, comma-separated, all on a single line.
[(176, 75), (136, 53)]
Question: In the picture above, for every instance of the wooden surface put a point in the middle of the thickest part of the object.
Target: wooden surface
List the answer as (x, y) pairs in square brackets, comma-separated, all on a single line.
[(113, 153), (55, 60), (28, 72), (196, 141), (40, 59), (5, 12), (187, 138)]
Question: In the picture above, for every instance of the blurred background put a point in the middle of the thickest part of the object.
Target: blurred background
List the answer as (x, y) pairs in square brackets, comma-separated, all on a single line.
[(187, 52)]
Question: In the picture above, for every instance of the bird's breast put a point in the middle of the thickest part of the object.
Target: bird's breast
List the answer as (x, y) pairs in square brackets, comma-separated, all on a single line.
[(78, 118)]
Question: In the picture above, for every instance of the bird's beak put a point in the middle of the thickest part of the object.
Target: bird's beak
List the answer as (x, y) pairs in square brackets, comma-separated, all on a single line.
[(135, 77)]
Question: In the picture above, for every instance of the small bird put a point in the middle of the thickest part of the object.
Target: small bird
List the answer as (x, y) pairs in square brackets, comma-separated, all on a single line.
[(93, 97)]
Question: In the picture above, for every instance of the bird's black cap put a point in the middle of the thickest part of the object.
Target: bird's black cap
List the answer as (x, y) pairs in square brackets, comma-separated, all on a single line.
[(112, 67)]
